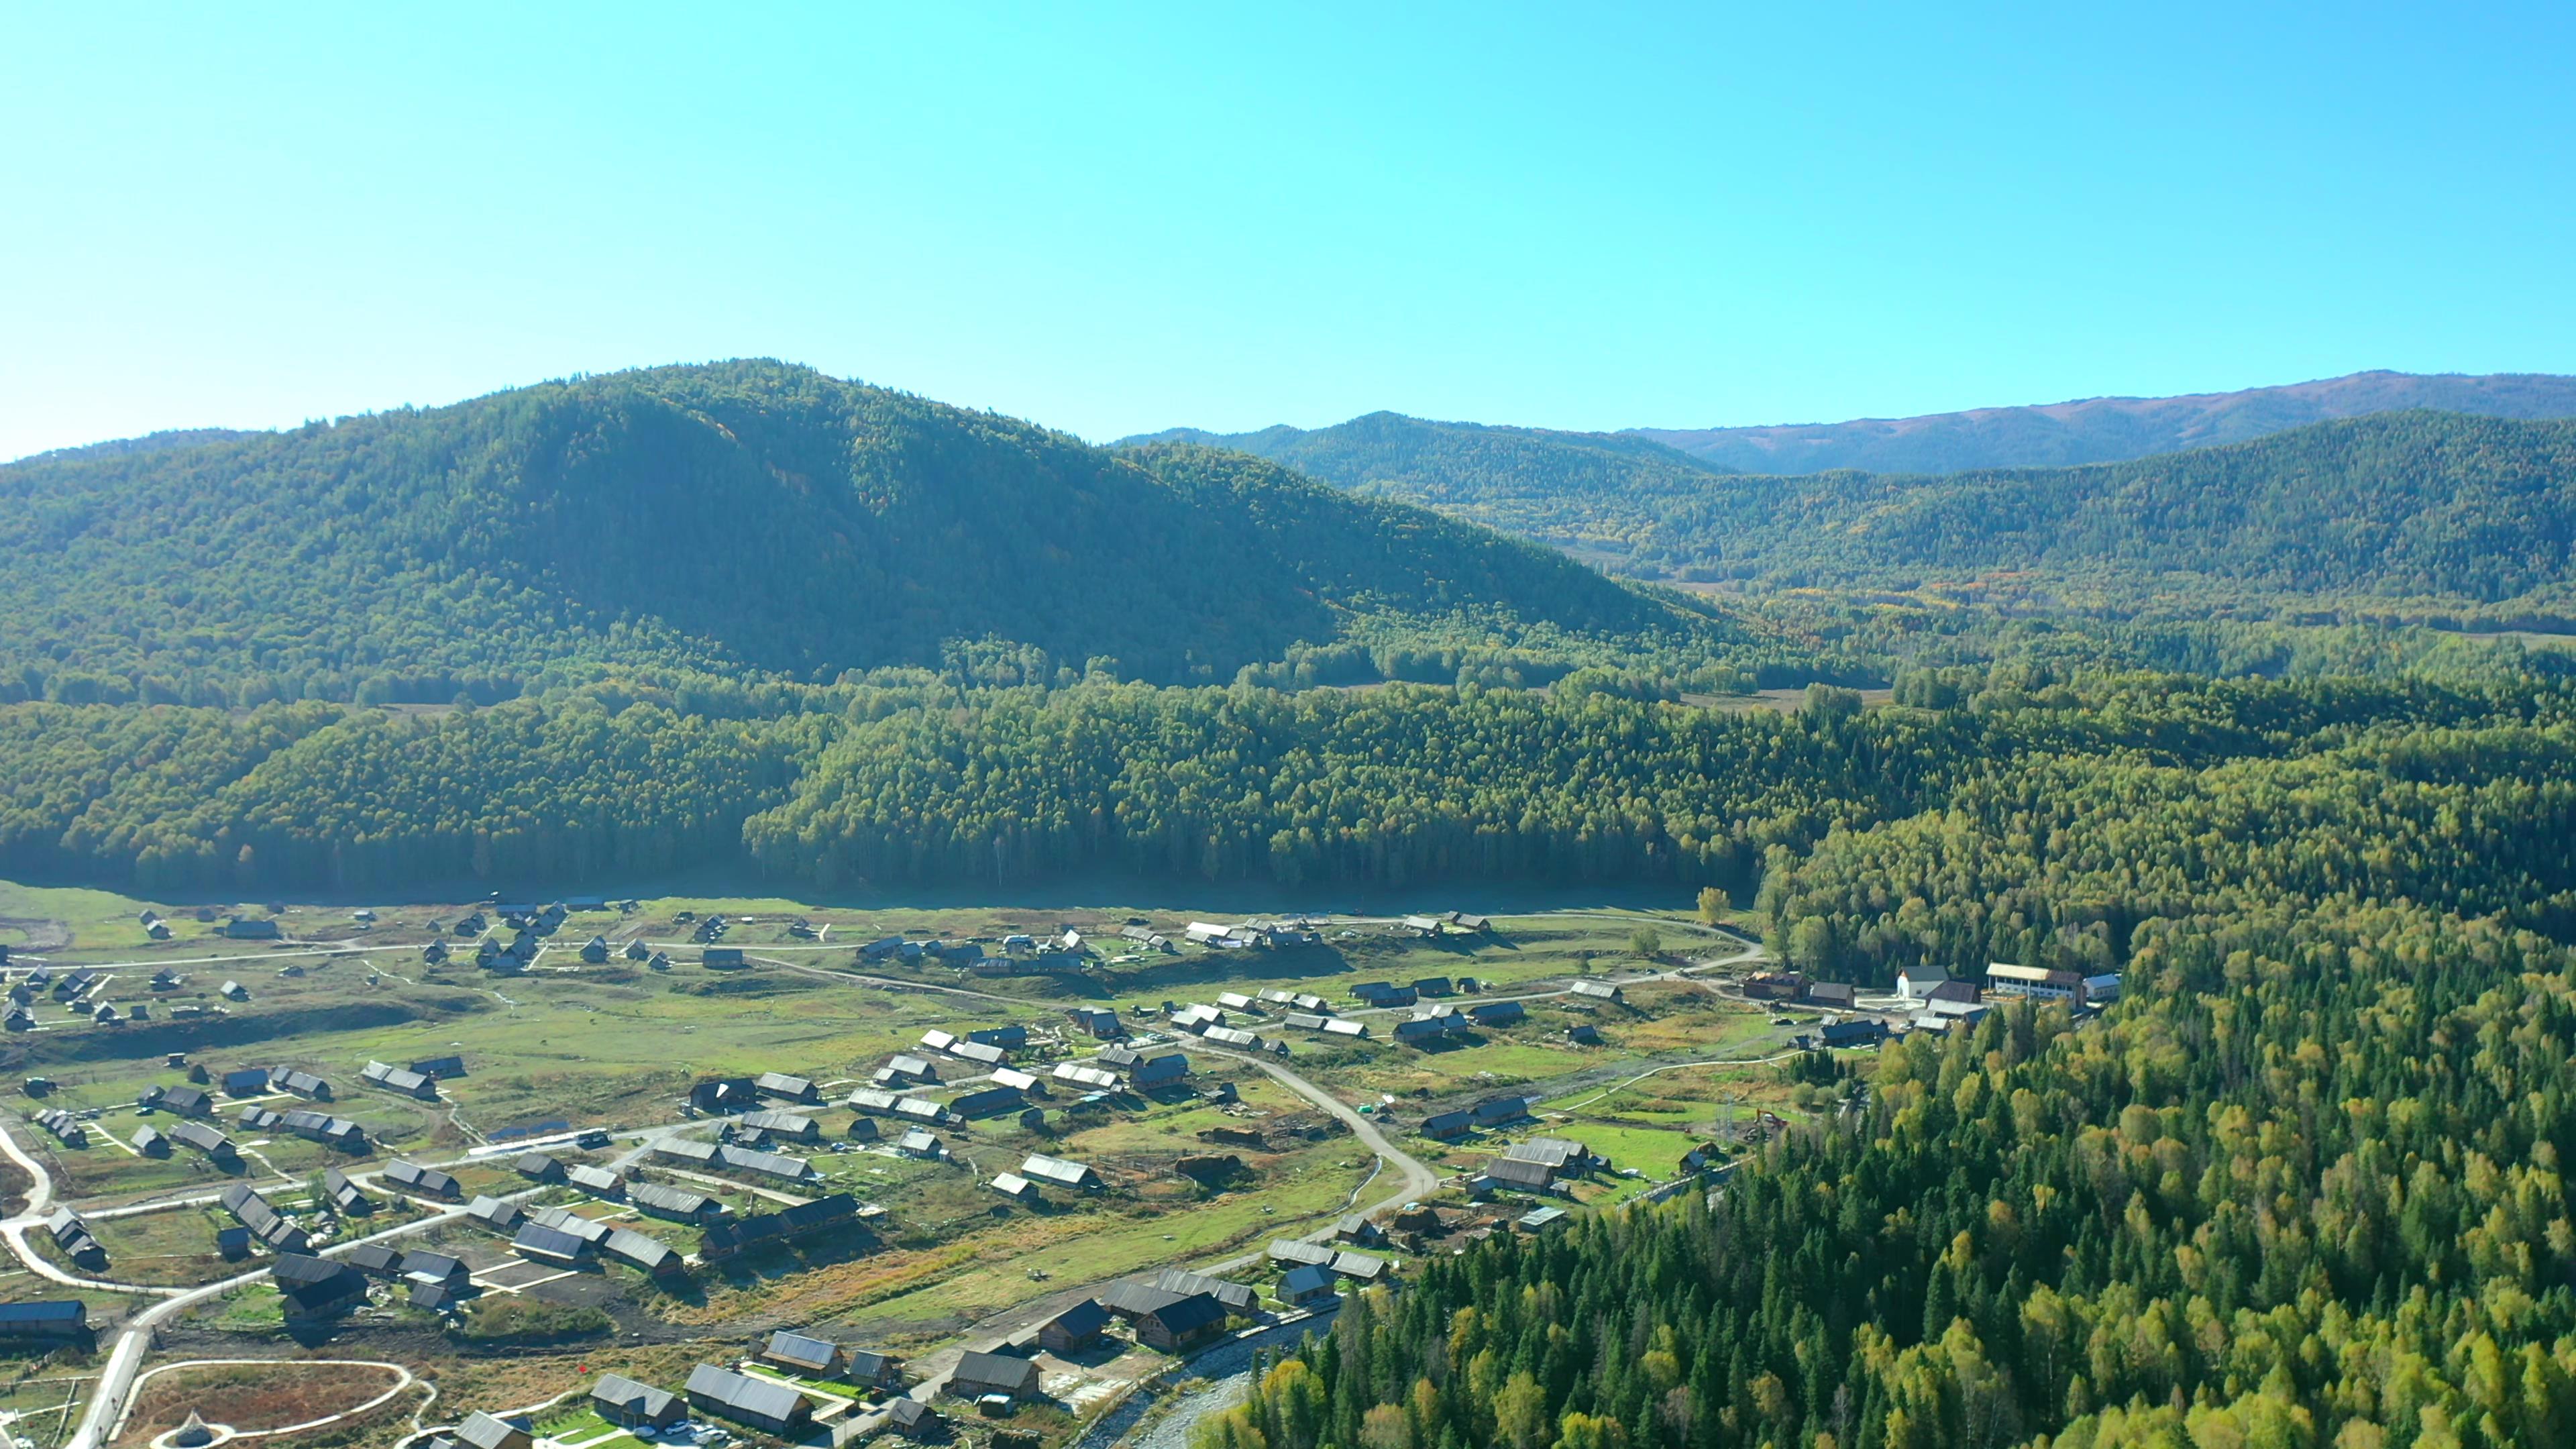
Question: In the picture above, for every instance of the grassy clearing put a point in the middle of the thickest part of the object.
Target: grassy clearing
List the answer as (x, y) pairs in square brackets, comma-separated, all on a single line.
[(263, 1397), (47, 1391)]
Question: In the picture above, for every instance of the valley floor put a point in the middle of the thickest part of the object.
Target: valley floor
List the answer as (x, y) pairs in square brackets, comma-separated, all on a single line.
[(617, 1015)]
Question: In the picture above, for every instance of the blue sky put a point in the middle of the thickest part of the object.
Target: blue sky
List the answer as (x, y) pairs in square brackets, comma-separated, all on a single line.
[(1115, 218)]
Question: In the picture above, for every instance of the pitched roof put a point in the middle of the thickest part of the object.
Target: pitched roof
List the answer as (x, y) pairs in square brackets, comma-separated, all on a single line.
[(804, 1352), (1189, 1314), (633, 1397), (1057, 1170), (1016, 1375), (758, 1397), (1305, 1278), (484, 1431), (553, 1242), (303, 1270), (1235, 1296), (1082, 1319), (668, 1199)]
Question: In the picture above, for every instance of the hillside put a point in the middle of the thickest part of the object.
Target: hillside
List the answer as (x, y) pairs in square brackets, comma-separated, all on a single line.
[(2407, 505), (1581, 490), (2108, 429), (747, 519)]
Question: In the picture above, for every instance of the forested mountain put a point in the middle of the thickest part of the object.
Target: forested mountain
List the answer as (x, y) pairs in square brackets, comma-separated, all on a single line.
[(2397, 505), (741, 519), (1573, 489), (2108, 429), (2443, 509)]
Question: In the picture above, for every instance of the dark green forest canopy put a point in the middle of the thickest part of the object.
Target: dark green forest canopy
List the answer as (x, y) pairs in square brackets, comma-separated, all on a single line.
[(2301, 1186), (2431, 505), (1364, 789), (742, 521), (2439, 512)]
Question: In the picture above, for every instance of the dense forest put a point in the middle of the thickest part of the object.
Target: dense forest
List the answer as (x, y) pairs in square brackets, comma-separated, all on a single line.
[(746, 520), (2421, 515), (1910, 831), (2300, 1187), (2399, 505)]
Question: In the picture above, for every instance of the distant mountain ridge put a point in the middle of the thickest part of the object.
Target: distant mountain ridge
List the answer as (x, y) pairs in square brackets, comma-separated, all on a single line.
[(2109, 429), (1578, 490), (1392, 449)]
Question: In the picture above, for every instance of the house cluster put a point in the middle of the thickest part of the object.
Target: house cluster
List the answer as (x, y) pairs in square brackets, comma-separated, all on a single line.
[(434, 1281), (1440, 1021), (312, 1126), (80, 992), (721, 1157), (1937, 1000), (1444, 923), (410, 1083), (1175, 1311), (65, 1127), (965, 955), (559, 1237), (1038, 1172), (1252, 935), (73, 1237), (262, 1221), (836, 1212), (1309, 1273), (265, 1081), (1489, 1113), (1210, 1022), (1537, 1166)]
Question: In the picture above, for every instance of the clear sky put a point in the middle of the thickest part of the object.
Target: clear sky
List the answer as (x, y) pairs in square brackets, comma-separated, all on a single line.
[(1116, 218)]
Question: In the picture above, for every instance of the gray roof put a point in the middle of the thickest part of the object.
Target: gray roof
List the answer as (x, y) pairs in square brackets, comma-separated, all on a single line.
[(798, 1349), (1016, 1375), (1305, 1278), (669, 1199), (794, 1124), (627, 1394), (1554, 1151), (758, 1397), (1189, 1314), (555, 1242), (626, 1244), (1236, 1297), (594, 1179), (1055, 1169)]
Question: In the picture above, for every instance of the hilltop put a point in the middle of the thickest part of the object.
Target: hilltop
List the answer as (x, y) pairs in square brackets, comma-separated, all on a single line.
[(1581, 490), (746, 519)]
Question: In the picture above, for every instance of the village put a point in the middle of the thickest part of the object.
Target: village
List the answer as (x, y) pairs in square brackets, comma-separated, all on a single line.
[(763, 1170)]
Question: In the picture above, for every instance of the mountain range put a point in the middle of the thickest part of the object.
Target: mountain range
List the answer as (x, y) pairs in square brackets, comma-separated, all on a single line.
[(2109, 429), (1388, 447)]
